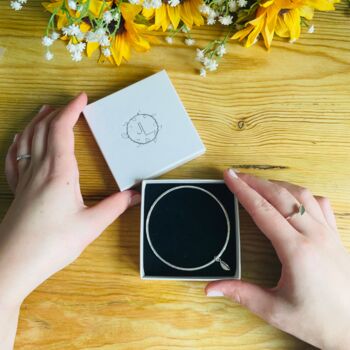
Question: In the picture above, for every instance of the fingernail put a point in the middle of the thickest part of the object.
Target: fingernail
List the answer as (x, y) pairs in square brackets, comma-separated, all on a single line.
[(232, 173), (15, 138), (215, 293), (134, 200), (43, 108)]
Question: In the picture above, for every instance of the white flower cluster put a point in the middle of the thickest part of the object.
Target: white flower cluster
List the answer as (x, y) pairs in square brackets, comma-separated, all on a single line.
[(17, 4), (73, 30), (47, 41), (150, 4), (209, 57), (221, 10), (76, 51), (102, 37), (100, 33)]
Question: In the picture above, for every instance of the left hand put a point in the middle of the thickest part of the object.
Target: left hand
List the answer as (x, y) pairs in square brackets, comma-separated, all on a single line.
[(48, 225)]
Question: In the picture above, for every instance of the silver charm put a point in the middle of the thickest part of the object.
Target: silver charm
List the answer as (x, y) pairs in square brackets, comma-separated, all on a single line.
[(223, 265)]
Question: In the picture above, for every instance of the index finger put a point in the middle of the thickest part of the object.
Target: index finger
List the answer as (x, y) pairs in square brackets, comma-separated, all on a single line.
[(61, 137), (270, 221)]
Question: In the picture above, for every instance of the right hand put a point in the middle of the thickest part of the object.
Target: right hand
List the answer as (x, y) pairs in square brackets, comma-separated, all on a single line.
[(312, 298)]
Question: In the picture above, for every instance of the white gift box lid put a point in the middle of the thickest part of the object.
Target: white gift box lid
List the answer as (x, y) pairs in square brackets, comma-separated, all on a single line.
[(143, 130)]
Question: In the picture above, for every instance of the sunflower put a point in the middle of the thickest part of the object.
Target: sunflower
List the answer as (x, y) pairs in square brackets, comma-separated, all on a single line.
[(282, 17), (121, 33), (186, 11), (128, 35)]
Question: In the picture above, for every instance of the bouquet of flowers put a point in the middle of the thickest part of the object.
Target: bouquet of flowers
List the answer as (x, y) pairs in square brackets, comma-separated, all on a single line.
[(115, 27)]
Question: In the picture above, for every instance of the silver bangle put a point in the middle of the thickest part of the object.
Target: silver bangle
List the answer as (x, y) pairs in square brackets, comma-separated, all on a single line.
[(217, 258)]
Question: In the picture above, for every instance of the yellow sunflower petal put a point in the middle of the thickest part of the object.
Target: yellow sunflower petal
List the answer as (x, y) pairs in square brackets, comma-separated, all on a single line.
[(197, 17), (186, 14), (61, 21), (84, 27), (255, 32), (96, 7), (91, 47), (281, 28), (174, 15), (270, 24), (307, 12), (148, 13), (322, 5), (267, 3), (292, 21), (52, 6), (116, 49), (125, 47), (129, 11), (240, 35)]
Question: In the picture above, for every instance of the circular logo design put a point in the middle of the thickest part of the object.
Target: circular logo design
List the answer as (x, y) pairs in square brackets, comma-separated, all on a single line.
[(142, 128)]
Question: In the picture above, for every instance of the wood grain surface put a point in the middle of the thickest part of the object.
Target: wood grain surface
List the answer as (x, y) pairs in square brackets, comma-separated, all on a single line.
[(283, 114)]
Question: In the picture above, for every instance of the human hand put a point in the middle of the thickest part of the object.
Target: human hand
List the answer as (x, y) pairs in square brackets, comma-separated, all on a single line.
[(312, 298), (47, 225)]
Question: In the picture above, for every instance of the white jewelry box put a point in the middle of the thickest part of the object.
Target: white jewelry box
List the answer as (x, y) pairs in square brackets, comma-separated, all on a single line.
[(189, 230), (143, 130)]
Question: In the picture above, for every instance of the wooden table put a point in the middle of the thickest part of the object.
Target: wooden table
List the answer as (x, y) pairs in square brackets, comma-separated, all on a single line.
[(283, 114)]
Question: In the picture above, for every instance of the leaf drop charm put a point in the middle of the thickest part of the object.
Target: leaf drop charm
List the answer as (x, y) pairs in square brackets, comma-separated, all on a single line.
[(223, 265)]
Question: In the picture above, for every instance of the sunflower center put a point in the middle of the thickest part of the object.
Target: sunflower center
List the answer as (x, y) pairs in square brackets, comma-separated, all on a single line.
[(121, 28)]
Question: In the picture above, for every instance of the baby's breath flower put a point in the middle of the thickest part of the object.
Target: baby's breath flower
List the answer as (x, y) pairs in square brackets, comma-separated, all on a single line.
[(15, 5), (134, 2), (54, 36), (116, 16), (76, 56), (47, 41), (225, 20), (189, 41), (242, 3), (213, 13), (203, 72), (174, 3), (211, 20), (210, 64), (96, 36), (72, 30), (221, 50), (104, 41), (169, 39), (106, 52), (311, 29), (185, 29), (72, 4), (232, 5), (49, 55), (199, 55), (156, 3), (204, 9), (22, 1), (107, 17), (170, 27), (74, 48)]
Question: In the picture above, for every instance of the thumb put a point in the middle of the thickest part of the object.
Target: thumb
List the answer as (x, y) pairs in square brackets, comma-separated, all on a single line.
[(258, 300), (102, 214)]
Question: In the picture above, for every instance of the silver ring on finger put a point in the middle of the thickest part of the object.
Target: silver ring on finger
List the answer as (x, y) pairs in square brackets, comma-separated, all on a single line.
[(300, 210), (23, 156)]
